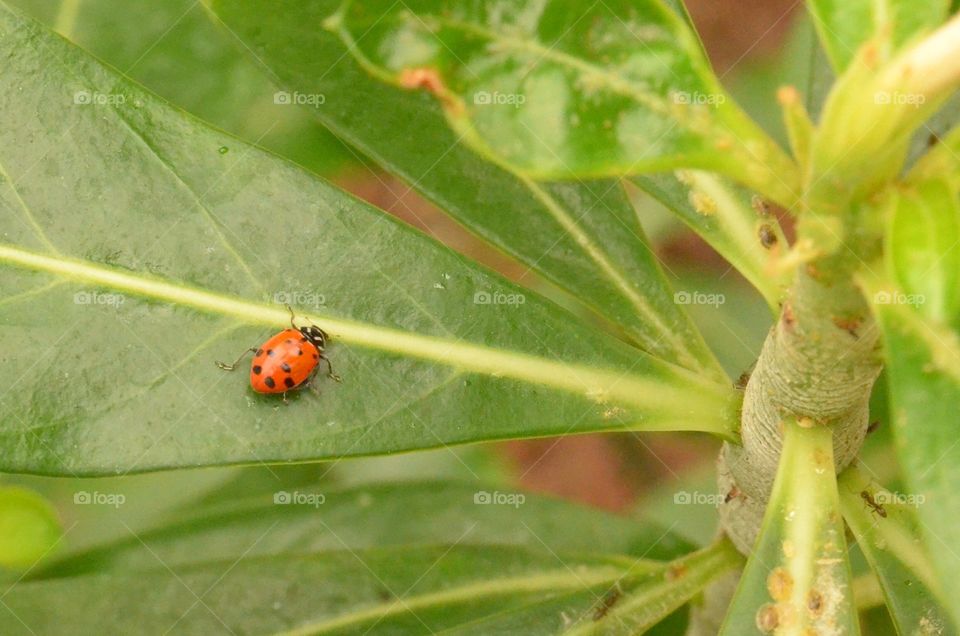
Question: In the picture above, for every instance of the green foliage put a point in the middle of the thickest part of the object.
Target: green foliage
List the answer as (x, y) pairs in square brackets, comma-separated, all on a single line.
[(139, 244), (167, 293), (611, 90), (29, 528), (798, 575), (479, 590), (885, 527), (846, 26)]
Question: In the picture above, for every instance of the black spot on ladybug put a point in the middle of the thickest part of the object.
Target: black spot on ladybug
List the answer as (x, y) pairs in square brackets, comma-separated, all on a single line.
[(269, 382), (299, 352), (316, 357), (269, 352), (289, 341), (257, 369), (285, 367), (259, 352), (288, 382), (304, 339)]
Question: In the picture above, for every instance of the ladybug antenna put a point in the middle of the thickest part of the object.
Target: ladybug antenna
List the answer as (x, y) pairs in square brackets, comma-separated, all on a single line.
[(290, 309)]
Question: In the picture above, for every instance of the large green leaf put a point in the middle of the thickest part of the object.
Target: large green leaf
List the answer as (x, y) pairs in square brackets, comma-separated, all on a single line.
[(923, 365), (389, 590), (921, 247), (886, 530), (566, 90), (140, 245), (174, 50), (582, 237), (846, 25), (377, 515), (797, 579)]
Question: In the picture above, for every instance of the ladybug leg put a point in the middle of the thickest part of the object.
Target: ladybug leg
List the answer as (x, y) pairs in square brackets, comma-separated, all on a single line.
[(233, 365), (310, 384), (290, 309), (330, 373)]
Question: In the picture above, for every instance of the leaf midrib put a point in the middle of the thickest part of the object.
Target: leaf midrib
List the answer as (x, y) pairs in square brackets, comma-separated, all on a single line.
[(671, 393), (560, 580)]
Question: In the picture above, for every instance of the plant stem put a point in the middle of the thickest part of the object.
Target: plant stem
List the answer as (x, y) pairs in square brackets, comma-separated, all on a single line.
[(818, 364)]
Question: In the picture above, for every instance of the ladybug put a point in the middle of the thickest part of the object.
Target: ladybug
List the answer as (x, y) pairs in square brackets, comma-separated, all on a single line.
[(288, 360)]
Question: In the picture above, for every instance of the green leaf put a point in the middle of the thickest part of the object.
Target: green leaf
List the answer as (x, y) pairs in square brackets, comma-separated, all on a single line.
[(846, 25), (375, 515), (583, 237), (174, 50), (887, 532), (729, 219), (923, 366), (391, 590), (798, 575), (29, 528), (873, 110), (921, 247), (561, 91), (178, 238)]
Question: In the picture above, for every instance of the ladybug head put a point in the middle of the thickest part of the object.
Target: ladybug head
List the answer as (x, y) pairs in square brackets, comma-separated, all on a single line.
[(315, 335)]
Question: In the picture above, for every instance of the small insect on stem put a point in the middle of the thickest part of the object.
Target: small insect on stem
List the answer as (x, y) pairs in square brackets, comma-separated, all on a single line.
[(872, 503), (874, 425), (608, 601), (732, 494), (768, 238), (760, 206)]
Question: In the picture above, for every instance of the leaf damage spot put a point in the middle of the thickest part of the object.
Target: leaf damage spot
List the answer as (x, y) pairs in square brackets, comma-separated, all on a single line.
[(780, 584), (429, 79), (768, 618), (676, 572), (704, 204)]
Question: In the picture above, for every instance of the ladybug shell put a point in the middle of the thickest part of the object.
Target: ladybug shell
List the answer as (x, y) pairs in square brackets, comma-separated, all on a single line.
[(284, 362)]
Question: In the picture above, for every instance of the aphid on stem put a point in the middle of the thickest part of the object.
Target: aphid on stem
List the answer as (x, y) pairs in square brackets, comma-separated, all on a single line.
[(872, 503)]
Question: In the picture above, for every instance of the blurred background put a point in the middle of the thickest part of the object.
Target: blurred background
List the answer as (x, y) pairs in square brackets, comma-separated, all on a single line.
[(174, 48)]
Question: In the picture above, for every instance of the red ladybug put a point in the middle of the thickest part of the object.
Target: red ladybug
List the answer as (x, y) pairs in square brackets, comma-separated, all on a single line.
[(288, 360)]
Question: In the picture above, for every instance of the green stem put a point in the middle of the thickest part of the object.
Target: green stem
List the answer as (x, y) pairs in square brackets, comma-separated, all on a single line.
[(818, 364)]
